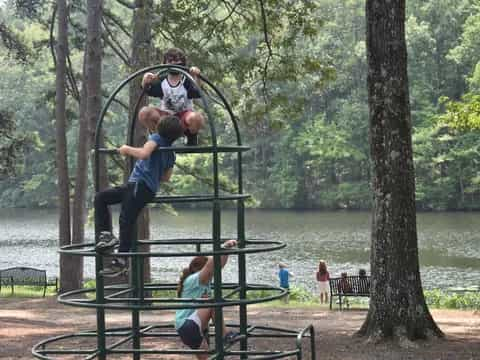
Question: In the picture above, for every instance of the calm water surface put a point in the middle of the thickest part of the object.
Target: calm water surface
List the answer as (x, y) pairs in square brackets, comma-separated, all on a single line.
[(449, 243)]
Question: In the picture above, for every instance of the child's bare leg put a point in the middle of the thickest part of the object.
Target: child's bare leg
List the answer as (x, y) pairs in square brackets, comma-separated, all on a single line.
[(149, 117), (209, 314), (203, 346), (205, 315), (321, 298), (194, 121)]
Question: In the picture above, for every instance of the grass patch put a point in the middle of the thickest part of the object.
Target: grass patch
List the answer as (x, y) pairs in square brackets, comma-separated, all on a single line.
[(26, 291), (299, 297)]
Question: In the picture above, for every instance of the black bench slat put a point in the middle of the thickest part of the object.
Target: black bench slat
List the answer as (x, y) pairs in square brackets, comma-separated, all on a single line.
[(353, 285)]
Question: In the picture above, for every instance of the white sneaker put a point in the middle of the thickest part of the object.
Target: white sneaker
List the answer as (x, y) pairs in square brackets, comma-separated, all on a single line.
[(106, 242)]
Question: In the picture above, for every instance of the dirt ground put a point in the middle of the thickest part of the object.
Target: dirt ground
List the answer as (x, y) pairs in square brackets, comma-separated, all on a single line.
[(25, 322)]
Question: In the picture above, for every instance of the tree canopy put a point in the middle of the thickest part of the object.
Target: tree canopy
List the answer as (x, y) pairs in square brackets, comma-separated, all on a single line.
[(295, 73)]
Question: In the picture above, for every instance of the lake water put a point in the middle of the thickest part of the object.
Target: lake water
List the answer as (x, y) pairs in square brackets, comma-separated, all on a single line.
[(449, 243)]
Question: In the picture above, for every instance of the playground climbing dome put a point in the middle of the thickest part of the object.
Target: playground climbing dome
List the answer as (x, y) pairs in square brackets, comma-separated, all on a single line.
[(160, 341)]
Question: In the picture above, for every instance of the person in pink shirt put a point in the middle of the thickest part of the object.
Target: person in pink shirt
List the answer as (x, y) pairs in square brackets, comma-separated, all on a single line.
[(322, 277)]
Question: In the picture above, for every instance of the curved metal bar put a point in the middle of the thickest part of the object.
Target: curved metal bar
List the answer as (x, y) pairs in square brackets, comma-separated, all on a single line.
[(189, 149), (227, 106), (41, 351), (300, 336), (72, 250), (36, 351), (197, 198), (150, 303)]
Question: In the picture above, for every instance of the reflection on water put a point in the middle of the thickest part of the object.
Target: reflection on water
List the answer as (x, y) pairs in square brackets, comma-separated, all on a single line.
[(449, 243)]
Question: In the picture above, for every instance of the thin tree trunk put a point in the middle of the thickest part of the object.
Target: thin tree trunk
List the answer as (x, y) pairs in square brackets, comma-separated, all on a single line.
[(66, 266), (397, 306), (94, 65), (140, 58), (81, 177)]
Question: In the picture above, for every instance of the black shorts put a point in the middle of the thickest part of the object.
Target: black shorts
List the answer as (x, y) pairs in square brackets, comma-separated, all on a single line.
[(190, 334)]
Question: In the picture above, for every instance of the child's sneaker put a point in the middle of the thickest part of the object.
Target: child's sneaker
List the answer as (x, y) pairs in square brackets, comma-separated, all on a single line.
[(116, 267), (106, 242), (231, 337)]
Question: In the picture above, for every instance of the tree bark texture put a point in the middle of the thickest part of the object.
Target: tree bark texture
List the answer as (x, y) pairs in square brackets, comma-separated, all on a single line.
[(397, 306), (66, 268), (140, 58), (90, 106), (81, 177)]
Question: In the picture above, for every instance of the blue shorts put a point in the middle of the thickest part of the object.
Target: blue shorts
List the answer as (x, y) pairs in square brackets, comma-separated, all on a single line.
[(190, 334)]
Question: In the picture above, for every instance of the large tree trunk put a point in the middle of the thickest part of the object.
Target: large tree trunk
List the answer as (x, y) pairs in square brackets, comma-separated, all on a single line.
[(140, 58), (90, 104), (397, 306), (66, 263)]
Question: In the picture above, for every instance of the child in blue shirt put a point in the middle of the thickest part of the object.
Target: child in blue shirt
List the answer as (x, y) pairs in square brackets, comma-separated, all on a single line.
[(150, 168), (284, 277)]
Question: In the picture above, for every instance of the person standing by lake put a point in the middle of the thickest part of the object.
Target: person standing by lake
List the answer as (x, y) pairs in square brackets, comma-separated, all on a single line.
[(323, 278), (284, 277)]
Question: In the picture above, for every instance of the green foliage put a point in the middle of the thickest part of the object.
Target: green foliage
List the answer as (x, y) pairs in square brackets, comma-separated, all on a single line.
[(453, 300), (11, 143), (300, 294), (445, 162), (296, 83), (463, 115)]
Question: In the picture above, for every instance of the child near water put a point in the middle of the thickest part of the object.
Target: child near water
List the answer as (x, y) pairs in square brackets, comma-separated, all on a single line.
[(323, 284)]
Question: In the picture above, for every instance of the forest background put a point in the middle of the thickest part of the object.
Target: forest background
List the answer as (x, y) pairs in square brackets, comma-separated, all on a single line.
[(300, 97)]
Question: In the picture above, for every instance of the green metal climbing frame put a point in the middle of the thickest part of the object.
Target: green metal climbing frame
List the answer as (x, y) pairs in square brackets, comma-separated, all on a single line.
[(137, 296)]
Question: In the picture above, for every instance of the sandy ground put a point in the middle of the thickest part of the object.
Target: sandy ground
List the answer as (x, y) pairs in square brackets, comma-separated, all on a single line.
[(25, 322)]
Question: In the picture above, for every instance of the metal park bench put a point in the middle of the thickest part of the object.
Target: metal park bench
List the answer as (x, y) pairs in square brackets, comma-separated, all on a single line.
[(26, 276), (349, 286)]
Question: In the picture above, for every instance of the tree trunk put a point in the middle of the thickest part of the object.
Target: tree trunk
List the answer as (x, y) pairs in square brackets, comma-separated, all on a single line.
[(66, 263), (397, 306), (140, 58), (90, 104), (93, 78), (81, 178)]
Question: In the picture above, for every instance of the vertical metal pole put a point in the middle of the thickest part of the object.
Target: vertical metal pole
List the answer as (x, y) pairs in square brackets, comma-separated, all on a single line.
[(100, 284), (100, 299), (312, 343), (242, 277), (217, 278), (242, 264), (136, 282)]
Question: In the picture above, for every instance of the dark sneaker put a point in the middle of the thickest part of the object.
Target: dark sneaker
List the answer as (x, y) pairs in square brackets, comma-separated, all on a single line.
[(106, 242), (117, 266), (231, 337)]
